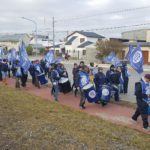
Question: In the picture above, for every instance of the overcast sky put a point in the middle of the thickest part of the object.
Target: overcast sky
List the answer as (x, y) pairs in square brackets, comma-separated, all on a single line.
[(90, 13)]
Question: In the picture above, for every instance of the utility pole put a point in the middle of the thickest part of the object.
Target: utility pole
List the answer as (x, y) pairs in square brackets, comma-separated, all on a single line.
[(54, 34)]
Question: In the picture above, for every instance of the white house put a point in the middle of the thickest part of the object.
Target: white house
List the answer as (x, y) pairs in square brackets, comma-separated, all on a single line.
[(78, 42), (41, 40)]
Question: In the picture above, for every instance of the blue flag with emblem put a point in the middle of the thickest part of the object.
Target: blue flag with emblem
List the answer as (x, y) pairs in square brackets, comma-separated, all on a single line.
[(136, 59), (24, 59), (108, 59), (113, 59), (84, 79), (49, 57), (131, 49)]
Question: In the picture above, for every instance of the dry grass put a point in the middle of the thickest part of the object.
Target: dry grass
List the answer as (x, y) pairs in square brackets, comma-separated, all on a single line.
[(31, 123)]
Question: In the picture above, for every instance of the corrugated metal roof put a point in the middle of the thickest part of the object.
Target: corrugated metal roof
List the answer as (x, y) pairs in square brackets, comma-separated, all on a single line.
[(87, 43)]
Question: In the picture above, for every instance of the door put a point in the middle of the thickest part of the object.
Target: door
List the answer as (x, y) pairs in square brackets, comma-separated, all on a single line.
[(145, 55)]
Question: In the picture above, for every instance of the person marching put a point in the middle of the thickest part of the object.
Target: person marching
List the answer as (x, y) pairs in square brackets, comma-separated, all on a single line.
[(4, 71), (24, 77), (83, 80), (113, 78), (74, 73), (125, 75), (18, 74), (99, 78), (142, 94), (54, 77)]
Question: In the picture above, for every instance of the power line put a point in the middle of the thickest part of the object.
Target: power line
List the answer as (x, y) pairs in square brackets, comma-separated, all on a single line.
[(118, 27), (105, 13)]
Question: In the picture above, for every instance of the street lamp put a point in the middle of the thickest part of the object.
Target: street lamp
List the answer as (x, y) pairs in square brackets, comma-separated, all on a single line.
[(35, 30)]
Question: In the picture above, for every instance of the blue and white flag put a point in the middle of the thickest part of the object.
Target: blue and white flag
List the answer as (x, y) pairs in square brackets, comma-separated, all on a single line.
[(1, 53), (58, 60), (84, 79), (131, 49), (136, 59), (113, 59), (108, 59), (13, 55), (49, 57), (24, 59)]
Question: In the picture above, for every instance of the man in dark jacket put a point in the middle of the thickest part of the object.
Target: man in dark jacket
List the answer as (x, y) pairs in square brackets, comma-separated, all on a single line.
[(142, 97), (74, 73), (125, 75), (99, 78), (113, 78)]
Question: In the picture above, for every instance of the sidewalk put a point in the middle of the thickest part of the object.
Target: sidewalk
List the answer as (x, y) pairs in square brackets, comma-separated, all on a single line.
[(112, 112)]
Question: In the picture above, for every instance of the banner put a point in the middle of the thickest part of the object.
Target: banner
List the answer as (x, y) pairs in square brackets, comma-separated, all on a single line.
[(24, 59), (136, 59), (113, 59)]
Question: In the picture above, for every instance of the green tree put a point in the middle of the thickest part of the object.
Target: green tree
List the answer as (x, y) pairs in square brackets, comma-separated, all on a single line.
[(29, 50), (105, 47), (42, 50)]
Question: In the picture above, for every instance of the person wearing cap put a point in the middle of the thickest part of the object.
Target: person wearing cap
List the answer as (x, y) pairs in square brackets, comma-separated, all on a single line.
[(142, 92)]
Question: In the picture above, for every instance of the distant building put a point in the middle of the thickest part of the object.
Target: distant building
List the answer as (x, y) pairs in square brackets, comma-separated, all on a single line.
[(9, 41), (141, 37), (79, 41)]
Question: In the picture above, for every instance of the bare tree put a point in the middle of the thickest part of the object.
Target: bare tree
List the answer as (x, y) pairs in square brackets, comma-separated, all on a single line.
[(105, 47)]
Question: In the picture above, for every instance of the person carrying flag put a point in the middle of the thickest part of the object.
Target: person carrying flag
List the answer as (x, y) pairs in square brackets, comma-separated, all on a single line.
[(54, 77), (4, 71), (142, 93), (82, 81), (113, 78)]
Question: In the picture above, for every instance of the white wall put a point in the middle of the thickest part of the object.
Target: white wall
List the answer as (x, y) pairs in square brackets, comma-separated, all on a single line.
[(10, 45)]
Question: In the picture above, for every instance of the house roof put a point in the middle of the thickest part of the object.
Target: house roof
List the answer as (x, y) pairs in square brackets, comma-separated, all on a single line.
[(91, 34), (135, 43), (69, 42), (88, 34), (11, 37), (87, 43)]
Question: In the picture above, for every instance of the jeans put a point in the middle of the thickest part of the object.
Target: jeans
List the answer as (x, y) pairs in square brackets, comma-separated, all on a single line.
[(55, 91)]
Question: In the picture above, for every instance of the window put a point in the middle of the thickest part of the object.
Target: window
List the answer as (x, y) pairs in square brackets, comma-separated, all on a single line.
[(84, 52), (82, 40)]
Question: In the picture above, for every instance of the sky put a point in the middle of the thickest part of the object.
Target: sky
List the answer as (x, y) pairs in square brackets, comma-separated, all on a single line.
[(100, 16)]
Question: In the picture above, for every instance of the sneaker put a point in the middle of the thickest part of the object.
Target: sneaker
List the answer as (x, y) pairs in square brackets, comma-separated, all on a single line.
[(147, 129)]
